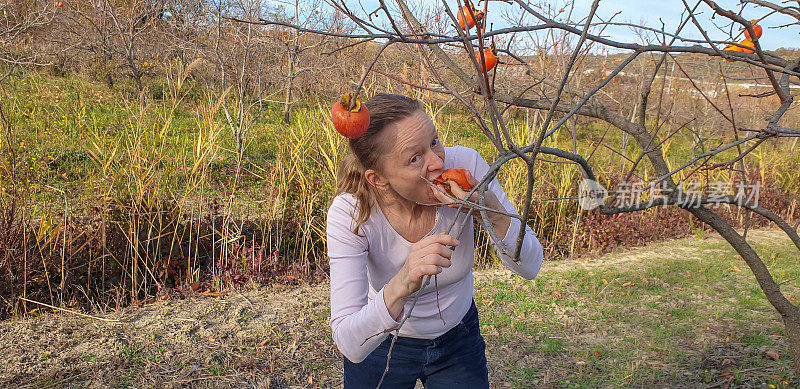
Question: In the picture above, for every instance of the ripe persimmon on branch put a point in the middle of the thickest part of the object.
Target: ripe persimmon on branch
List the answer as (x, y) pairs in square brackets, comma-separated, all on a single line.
[(559, 85)]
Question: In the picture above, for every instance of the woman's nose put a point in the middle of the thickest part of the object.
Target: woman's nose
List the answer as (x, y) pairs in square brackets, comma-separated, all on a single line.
[(436, 163)]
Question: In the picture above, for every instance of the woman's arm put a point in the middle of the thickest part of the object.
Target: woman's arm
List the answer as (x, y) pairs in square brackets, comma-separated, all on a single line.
[(353, 317), (507, 228), (531, 255)]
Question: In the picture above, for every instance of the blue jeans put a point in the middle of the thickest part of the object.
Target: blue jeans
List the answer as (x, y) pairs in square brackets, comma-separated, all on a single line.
[(458, 357)]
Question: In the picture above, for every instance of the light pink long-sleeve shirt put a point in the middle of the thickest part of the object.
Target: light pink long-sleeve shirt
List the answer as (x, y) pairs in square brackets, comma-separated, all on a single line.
[(361, 266)]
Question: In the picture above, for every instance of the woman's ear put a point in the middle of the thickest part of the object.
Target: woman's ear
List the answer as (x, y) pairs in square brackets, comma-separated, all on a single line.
[(376, 179)]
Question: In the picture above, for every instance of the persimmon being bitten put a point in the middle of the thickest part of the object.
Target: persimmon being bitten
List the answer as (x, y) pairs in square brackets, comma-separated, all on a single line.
[(457, 175)]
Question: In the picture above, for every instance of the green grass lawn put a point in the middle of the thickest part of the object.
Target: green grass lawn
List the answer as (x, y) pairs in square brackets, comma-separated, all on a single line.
[(686, 311)]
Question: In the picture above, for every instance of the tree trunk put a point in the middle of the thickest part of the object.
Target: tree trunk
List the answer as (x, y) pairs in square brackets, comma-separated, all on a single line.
[(109, 81), (109, 73), (792, 323), (288, 101), (138, 78)]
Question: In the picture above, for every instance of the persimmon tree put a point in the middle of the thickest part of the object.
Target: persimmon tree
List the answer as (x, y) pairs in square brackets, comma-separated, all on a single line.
[(235, 52), (547, 48), (122, 37), (21, 23)]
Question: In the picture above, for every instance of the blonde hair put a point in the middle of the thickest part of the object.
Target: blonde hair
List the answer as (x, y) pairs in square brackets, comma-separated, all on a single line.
[(366, 150)]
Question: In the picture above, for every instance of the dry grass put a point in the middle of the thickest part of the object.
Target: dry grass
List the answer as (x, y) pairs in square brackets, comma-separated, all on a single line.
[(125, 199)]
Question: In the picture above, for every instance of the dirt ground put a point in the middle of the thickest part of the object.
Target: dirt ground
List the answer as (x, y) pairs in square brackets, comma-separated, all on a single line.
[(258, 338), (274, 337)]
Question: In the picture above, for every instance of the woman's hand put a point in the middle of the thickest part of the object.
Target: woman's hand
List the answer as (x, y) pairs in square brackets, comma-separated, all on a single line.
[(461, 194), (456, 190), (427, 257), (498, 221)]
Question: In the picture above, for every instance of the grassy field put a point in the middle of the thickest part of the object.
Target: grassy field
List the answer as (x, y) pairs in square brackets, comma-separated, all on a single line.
[(123, 197), (71, 133), (682, 313), (686, 311)]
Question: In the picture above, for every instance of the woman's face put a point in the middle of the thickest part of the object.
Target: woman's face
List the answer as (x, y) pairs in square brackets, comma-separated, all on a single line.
[(414, 150)]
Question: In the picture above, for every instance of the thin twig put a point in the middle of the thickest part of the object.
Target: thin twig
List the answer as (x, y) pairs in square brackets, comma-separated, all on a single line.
[(71, 311)]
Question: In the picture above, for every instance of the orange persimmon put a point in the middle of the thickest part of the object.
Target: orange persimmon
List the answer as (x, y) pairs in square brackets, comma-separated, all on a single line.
[(351, 123), (458, 175), (465, 17), (747, 42), (756, 28), (489, 57)]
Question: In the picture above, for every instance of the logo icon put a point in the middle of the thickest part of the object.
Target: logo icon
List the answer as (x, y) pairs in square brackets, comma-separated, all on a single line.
[(591, 194)]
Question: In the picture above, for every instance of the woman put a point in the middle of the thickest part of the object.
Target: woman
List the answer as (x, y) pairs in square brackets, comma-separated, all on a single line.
[(385, 234)]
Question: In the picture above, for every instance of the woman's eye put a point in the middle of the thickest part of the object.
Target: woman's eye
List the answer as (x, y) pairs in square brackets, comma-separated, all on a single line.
[(415, 159), (435, 142)]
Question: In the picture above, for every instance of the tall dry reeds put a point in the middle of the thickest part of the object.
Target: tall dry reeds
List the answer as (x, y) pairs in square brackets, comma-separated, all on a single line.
[(148, 223), (167, 205)]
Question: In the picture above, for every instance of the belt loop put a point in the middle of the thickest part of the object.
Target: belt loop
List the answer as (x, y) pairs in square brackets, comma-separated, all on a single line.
[(462, 328)]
